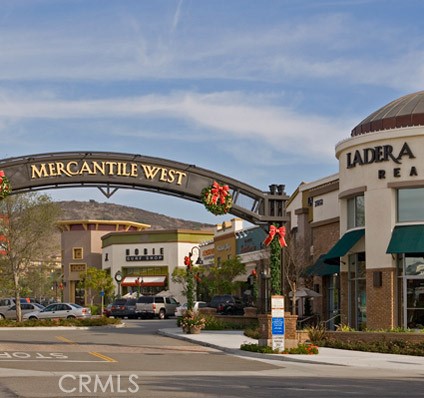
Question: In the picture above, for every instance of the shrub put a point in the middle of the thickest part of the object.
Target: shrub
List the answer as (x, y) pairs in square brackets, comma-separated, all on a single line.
[(342, 327), (316, 333), (253, 332), (95, 321), (213, 323), (95, 309), (257, 348), (382, 346), (306, 349)]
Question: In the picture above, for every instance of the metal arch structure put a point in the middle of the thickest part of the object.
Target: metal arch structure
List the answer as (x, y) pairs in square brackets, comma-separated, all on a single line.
[(112, 171)]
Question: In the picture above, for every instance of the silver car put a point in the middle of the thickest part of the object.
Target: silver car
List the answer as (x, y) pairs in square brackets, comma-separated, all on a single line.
[(60, 310), (10, 313)]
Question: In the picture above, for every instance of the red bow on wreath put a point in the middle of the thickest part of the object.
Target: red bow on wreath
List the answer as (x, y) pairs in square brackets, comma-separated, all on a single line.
[(273, 230), (219, 192), (187, 261), (1, 176)]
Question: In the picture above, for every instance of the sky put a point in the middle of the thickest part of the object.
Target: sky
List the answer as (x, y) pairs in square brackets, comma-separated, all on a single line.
[(259, 91)]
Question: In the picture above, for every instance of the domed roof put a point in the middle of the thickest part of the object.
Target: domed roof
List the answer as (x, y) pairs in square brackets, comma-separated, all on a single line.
[(406, 111)]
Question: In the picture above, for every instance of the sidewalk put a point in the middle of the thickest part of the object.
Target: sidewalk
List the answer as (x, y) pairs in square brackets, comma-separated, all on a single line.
[(230, 341)]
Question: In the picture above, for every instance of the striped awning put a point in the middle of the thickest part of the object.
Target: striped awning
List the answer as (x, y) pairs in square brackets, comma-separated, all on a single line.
[(145, 281)]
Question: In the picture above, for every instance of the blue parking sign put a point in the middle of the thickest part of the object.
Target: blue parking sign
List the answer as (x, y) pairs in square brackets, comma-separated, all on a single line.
[(277, 326)]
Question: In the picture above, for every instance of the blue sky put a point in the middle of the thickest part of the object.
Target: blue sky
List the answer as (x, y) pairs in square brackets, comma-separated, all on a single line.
[(260, 91)]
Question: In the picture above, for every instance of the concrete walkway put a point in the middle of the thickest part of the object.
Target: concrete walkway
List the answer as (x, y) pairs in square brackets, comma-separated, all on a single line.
[(230, 341)]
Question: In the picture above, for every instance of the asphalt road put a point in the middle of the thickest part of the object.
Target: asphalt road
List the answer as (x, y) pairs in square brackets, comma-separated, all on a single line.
[(135, 361)]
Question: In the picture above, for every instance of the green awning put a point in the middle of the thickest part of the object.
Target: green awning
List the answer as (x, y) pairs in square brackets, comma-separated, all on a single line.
[(320, 268), (345, 243), (407, 239)]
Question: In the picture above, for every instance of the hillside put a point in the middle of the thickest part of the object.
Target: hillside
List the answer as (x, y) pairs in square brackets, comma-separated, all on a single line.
[(92, 210)]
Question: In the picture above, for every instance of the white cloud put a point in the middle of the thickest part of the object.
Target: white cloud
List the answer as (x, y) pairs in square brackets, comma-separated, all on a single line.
[(228, 115), (331, 46)]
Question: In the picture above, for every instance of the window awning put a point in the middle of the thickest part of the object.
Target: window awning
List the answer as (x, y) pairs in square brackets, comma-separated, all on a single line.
[(146, 281), (345, 243), (320, 268), (407, 239)]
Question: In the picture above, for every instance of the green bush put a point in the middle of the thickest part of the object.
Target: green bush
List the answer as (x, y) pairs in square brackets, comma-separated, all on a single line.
[(316, 333), (95, 321), (257, 348), (382, 346), (95, 309), (253, 332), (307, 349), (213, 323)]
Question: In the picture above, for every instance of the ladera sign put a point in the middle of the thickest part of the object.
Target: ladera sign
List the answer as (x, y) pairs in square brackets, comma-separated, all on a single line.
[(378, 154), (107, 168)]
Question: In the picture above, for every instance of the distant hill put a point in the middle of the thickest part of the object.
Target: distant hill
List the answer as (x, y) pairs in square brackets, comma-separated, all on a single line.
[(92, 210)]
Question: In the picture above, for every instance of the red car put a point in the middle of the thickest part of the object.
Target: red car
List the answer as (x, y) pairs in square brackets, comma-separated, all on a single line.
[(107, 310)]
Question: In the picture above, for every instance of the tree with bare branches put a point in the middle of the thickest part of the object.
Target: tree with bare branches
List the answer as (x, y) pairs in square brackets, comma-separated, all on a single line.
[(27, 223), (296, 260)]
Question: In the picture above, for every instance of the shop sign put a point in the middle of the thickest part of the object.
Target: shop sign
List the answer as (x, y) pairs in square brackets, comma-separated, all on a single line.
[(379, 154), (152, 257), (107, 168)]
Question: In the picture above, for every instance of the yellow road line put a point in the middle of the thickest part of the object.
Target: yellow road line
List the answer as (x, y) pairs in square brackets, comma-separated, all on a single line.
[(64, 339), (101, 356), (96, 354)]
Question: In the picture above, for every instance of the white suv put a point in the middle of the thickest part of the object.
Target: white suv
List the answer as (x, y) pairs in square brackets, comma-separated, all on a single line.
[(156, 306)]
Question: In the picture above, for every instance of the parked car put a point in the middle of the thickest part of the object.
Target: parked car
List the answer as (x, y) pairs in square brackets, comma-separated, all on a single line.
[(6, 303), (107, 310), (179, 311), (60, 310), (10, 313), (227, 304), (156, 306), (123, 308)]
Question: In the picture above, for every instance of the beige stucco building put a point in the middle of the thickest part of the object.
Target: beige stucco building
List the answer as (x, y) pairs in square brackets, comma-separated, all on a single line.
[(381, 201), (147, 259), (82, 248)]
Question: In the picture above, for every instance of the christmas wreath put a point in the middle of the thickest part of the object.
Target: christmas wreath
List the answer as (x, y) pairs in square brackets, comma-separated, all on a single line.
[(217, 199), (5, 187)]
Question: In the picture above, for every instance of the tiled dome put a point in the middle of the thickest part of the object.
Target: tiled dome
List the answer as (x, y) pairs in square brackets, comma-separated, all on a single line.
[(406, 111)]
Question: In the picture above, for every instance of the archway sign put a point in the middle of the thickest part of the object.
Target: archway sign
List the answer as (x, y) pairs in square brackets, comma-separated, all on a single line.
[(111, 171)]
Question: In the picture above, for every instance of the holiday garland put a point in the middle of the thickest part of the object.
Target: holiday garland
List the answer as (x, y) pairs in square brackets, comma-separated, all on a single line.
[(190, 282), (217, 199), (275, 257), (5, 187)]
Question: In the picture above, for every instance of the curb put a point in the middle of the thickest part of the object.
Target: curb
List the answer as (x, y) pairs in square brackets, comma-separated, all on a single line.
[(249, 354), (61, 327)]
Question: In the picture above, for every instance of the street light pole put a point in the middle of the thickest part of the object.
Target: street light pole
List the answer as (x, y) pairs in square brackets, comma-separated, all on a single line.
[(118, 279), (190, 276)]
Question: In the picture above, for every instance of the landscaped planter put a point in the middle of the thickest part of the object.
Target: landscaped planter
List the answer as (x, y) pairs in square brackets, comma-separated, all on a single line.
[(368, 337)]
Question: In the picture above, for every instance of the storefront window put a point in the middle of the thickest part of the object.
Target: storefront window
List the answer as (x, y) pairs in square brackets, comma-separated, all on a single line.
[(79, 295), (411, 291), (355, 212), (357, 291), (410, 204)]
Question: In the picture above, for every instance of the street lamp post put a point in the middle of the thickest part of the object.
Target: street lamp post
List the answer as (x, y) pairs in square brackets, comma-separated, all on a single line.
[(190, 276), (118, 279)]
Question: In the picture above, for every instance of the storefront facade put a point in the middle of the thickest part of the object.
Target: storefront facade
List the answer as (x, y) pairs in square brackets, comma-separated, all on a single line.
[(81, 248), (381, 202), (146, 259)]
